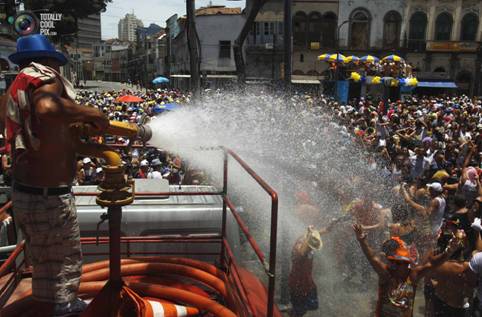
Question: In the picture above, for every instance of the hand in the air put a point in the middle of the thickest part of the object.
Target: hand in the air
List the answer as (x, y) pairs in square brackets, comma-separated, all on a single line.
[(477, 225), (359, 232)]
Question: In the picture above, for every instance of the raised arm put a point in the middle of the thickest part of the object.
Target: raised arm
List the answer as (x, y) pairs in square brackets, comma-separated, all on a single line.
[(437, 260), (374, 260), (50, 107), (419, 208)]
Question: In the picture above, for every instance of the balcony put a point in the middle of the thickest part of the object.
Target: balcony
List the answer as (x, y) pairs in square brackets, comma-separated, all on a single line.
[(416, 45)]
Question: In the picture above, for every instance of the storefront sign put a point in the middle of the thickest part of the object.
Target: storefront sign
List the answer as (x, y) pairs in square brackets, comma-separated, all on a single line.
[(448, 46)]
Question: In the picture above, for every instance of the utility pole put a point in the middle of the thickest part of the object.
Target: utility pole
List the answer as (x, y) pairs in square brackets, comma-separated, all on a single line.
[(288, 30), (192, 43)]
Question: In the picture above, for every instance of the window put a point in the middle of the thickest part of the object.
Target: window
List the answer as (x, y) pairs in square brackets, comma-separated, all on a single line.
[(443, 27), (329, 26), (300, 28), (470, 24), (418, 26), (224, 49), (280, 28), (391, 30), (314, 27), (418, 31), (302, 58), (360, 29), (266, 28), (257, 27)]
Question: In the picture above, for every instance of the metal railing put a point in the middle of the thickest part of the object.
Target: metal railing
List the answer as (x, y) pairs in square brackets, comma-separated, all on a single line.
[(226, 255)]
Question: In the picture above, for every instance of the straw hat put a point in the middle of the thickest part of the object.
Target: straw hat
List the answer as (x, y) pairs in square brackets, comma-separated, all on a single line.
[(313, 239)]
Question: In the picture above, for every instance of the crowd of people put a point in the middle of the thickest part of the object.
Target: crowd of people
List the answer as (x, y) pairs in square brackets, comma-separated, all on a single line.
[(428, 150)]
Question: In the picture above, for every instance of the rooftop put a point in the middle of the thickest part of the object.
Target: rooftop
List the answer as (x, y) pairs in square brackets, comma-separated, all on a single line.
[(217, 9)]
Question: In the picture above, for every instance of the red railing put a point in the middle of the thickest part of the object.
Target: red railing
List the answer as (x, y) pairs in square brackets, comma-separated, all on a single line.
[(227, 257)]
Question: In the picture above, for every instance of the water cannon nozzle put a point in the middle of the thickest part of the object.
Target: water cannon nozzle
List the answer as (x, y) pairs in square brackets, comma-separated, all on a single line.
[(144, 133)]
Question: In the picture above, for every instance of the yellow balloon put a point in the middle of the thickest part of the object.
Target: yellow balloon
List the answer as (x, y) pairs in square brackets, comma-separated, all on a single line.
[(355, 76), (376, 80)]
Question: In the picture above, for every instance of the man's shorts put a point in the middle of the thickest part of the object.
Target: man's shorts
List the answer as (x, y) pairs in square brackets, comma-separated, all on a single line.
[(304, 303), (441, 309), (51, 231)]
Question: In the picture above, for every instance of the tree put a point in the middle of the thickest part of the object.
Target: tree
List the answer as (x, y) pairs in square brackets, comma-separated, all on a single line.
[(253, 10), (194, 48), (71, 11)]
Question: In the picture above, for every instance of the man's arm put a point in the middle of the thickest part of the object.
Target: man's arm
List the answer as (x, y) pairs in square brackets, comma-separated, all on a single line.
[(419, 208), (437, 260), (52, 108), (374, 260)]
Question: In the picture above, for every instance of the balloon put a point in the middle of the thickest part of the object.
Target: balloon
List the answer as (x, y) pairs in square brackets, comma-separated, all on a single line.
[(403, 81), (355, 76), (376, 80), (394, 83), (412, 82)]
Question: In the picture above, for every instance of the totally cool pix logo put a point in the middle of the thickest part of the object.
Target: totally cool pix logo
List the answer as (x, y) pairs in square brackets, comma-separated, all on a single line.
[(26, 22)]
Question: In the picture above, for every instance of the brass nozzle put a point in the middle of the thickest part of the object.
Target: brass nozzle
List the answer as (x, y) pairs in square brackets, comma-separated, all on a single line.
[(125, 129)]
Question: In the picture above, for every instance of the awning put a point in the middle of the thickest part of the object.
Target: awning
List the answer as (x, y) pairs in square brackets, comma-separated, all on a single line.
[(437, 84), (305, 81)]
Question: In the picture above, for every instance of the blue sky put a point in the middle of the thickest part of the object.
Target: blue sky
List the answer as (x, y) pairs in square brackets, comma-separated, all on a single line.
[(150, 11)]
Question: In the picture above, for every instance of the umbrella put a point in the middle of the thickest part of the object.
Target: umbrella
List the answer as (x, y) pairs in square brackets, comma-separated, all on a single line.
[(161, 108), (160, 80), (351, 58), (335, 58), (323, 57), (393, 58), (369, 59), (129, 98)]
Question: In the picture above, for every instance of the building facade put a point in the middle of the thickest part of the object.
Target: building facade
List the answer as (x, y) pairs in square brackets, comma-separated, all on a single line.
[(442, 40), (127, 27), (217, 28)]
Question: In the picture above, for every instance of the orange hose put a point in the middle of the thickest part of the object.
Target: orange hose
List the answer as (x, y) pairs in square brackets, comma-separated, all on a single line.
[(166, 281), (206, 267), (171, 294), (154, 269)]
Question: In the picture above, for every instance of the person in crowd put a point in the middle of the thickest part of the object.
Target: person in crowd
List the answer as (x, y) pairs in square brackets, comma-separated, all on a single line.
[(87, 174), (156, 165), (303, 290), (143, 169), (398, 274)]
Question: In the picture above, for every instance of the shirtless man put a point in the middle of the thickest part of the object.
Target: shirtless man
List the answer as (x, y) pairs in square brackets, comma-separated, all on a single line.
[(398, 276), (43, 203)]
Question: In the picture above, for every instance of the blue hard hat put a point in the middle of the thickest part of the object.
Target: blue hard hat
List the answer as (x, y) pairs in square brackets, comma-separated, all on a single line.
[(35, 46)]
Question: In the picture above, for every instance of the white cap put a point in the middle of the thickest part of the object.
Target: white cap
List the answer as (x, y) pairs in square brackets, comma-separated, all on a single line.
[(144, 163), (436, 187), (98, 170), (86, 160)]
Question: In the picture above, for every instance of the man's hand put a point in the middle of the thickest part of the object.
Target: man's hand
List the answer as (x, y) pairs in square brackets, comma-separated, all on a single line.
[(359, 232), (456, 242)]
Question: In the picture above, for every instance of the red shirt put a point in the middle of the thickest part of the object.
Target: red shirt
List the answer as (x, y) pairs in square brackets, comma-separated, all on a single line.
[(301, 277)]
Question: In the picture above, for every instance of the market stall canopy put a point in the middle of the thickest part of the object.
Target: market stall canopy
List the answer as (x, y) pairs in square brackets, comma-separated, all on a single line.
[(369, 59), (437, 84), (129, 98), (393, 58)]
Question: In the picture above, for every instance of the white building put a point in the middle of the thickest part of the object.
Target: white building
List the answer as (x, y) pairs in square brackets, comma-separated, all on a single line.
[(127, 27), (217, 28)]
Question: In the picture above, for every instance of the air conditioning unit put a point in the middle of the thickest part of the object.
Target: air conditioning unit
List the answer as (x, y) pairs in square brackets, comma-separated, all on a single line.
[(269, 46)]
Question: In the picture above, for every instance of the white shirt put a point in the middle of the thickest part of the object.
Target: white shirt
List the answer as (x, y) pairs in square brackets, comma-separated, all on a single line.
[(154, 175), (475, 265)]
